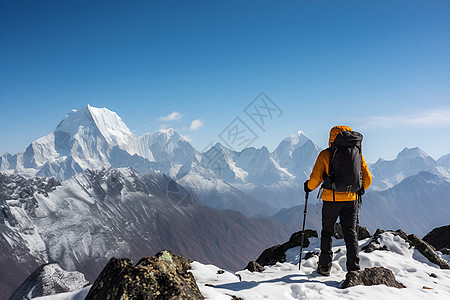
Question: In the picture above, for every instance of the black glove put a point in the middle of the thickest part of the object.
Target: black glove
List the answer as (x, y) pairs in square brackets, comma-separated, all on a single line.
[(305, 186)]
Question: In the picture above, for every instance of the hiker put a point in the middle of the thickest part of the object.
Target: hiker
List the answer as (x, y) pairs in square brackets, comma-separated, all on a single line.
[(338, 203)]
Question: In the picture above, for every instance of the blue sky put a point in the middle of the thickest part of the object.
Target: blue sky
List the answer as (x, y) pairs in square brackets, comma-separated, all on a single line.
[(382, 67)]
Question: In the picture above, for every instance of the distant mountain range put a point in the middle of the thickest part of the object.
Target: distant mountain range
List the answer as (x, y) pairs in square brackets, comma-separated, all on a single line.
[(252, 181)]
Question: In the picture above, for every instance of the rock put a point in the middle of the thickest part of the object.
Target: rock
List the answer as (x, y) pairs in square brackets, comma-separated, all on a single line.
[(272, 255), (423, 247), (371, 276), (439, 237), (311, 254), (49, 279), (428, 251), (163, 276), (374, 243), (276, 253), (363, 232), (253, 266), (295, 239)]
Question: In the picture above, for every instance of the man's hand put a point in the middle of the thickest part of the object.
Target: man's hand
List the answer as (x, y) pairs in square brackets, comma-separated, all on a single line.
[(305, 186)]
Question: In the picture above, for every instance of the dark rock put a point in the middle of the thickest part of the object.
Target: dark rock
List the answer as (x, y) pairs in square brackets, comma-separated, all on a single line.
[(423, 247), (220, 272), (433, 275), (276, 253), (163, 276), (272, 255), (439, 237), (253, 266), (296, 237), (363, 232), (428, 251), (49, 279), (374, 243), (311, 254), (371, 276)]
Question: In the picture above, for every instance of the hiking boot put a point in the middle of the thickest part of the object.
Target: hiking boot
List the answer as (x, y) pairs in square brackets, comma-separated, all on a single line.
[(325, 271)]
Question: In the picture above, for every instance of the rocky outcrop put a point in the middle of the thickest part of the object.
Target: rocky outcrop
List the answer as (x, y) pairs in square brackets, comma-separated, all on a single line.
[(49, 279), (363, 232), (439, 238), (423, 247), (371, 276), (253, 266), (276, 253), (164, 276)]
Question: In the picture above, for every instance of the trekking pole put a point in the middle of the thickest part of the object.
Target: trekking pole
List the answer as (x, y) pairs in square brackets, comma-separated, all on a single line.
[(303, 232)]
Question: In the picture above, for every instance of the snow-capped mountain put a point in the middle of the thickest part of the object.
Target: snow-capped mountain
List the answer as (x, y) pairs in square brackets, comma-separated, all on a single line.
[(297, 155), (408, 162), (87, 138), (252, 181), (85, 220), (259, 181), (444, 161), (168, 145)]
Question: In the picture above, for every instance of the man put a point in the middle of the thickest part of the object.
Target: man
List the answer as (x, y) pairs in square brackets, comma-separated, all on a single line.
[(337, 204)]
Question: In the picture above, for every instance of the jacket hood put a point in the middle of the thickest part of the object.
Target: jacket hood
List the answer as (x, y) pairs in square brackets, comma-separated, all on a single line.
[(335, 131)]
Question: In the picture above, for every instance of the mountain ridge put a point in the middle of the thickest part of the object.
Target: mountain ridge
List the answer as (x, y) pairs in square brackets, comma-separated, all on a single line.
[(95, 137)]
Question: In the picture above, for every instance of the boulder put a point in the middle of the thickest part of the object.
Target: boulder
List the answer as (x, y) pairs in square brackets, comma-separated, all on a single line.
[(311, 254), (163, 276), (253, 266), (276, 253), (439, 238), (371, 276), (49, 279), (363, 233)]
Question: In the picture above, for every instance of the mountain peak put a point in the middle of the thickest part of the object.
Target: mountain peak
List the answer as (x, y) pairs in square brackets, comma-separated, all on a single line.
[(410, 153), (93, 119), (297, 138)]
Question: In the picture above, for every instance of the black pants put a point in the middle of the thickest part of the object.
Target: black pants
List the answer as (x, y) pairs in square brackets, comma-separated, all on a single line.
[(347, 212)]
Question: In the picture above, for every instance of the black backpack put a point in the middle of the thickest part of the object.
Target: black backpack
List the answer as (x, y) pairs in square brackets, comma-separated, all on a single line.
[(345, 164)]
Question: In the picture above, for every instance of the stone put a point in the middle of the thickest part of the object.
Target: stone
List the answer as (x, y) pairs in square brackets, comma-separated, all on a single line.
[(439, 238), (275, 254), (163, 276), (371, 276), (253, 266), (272, 255), (428, 251), (311, 254), (363, 233)]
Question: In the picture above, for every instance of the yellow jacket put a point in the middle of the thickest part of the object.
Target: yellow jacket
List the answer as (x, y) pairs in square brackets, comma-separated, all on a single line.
[(322, 165)]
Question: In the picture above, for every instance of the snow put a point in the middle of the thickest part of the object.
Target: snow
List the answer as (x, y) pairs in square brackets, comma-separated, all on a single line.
[(77, 295), (285, 281)]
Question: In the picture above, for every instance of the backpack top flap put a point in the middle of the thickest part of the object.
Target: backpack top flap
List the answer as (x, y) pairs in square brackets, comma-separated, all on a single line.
[(347, 139), (345, 165)]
